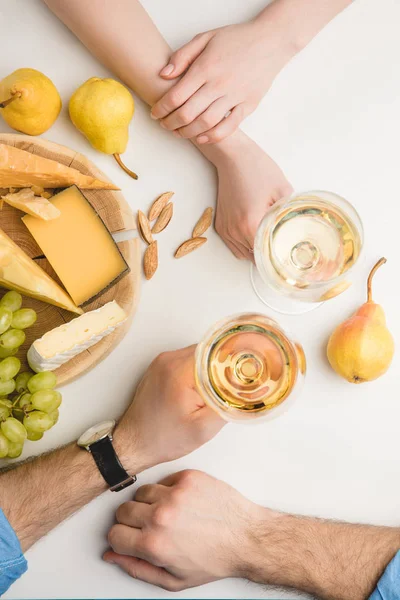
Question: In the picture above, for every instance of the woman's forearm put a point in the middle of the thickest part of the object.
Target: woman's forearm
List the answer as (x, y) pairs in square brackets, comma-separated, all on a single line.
[(123, 37), (121, 34)]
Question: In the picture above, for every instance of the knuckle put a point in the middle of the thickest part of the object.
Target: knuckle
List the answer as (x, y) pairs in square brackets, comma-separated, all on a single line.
[(174, 99), (188, 477), (185, 116), (163, 515), (113, 536)]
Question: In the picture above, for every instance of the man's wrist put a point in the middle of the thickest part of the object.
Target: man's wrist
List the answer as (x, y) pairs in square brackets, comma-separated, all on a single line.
[(130, 455)]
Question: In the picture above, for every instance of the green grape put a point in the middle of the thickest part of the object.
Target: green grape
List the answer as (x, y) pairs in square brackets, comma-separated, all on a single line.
[(15, 449), (13, 338), (46, 400), (13, 430), (3, 445), (5, 353), (12, 301), (38, 421), (33, 436), (21, 381), (5, 318), (54, 416), (6, 402), (4, 412), (25, 401), (42, 381), (7, 387), (9, 368), (23, 318)]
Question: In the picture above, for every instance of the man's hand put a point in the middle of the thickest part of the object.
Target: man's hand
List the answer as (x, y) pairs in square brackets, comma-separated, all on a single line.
[(191, 529), (188, 530), (228, 71), (249, 183), (167, 418)]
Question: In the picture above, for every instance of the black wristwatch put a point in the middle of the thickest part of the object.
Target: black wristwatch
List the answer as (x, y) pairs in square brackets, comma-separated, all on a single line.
[(98, 441)]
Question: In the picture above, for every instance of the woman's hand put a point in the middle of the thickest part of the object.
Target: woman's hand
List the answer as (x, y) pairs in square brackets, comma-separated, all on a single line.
[(228, 71), (249, 183)]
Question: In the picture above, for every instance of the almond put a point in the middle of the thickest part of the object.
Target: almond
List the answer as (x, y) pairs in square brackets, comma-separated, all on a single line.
[(159, 204), (150, 261), (164, 218), (189, 246), (144, 227), (203, 223)]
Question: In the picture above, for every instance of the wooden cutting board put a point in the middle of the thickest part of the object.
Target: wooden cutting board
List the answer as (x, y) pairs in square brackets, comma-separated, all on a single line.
[(117, 215)]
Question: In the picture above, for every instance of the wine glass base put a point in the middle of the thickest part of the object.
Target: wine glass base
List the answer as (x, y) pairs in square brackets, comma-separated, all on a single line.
[(278, 302)]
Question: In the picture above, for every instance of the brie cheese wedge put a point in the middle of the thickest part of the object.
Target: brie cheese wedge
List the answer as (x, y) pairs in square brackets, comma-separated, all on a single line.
[(61, 344)]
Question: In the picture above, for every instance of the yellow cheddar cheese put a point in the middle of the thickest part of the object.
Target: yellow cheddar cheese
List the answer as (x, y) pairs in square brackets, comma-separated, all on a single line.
[(79, 247), (20, 273)]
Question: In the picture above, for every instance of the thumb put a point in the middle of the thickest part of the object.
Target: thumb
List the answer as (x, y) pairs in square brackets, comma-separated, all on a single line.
[(144, 571), (183, 58)]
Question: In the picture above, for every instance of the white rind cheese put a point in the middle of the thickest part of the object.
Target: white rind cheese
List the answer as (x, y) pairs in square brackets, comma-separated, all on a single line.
[(61, 344)]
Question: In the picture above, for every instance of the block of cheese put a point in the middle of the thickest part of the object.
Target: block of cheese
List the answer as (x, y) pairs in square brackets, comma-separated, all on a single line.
[(20, 273), (61, 344), (21, 169), (79, 247), (30, 204)]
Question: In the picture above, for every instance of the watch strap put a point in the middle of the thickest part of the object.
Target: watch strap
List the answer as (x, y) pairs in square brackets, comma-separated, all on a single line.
[(109, 465)]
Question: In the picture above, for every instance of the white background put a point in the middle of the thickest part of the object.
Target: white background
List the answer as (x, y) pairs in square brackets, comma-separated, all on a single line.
[(331, 121)]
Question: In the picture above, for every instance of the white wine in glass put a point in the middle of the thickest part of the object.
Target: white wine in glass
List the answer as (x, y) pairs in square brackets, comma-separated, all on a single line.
[(248, 368), (305, 250)]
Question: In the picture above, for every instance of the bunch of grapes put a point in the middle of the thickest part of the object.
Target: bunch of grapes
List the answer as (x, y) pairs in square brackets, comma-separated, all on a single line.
[(28, 402)]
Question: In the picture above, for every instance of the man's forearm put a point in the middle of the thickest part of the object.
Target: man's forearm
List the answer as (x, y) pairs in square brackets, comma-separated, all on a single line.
[(43, 492), (331, 560), (296, 22)]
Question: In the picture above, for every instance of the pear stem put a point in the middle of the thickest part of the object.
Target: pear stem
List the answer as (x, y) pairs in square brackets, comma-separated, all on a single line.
[(124, 167), (380, 262), (9, 100)]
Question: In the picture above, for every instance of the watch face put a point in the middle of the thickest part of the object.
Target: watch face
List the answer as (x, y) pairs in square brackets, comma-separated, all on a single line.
[(96, 433)]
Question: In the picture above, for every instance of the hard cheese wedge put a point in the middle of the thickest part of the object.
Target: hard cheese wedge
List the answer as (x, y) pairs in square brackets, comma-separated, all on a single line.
[(61, 344), (19, 272), (79, 247), (22, 169), (36, 206)]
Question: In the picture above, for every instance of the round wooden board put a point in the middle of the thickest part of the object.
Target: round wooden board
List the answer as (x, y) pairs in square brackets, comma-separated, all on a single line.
[(117, 215)]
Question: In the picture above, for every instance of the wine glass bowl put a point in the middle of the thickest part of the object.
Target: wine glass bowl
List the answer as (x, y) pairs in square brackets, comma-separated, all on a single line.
[(247, 368), (305, 251)]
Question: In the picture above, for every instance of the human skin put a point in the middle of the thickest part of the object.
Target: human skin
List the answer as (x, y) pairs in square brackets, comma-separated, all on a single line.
[(227, 71), (166, 420), (249, 181), (234, 537)]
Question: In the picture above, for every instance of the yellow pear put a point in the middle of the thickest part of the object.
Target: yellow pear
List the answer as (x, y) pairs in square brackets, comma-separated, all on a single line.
[(29, 101), (102, 109), (361, 348)]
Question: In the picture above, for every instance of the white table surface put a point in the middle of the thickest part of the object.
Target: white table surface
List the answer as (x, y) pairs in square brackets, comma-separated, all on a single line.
[(331, 121)]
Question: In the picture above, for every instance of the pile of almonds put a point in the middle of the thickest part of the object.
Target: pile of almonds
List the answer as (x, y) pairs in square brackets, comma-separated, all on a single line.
[(161, 212)]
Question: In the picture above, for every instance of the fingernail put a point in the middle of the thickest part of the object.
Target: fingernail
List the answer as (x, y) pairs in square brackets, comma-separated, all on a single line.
[(202, 139), (163, 125), (167, 70), (153, 116), (176, 134), (108, 560)]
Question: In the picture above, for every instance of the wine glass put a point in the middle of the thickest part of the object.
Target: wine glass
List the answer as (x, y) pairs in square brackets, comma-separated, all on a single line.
[(305, 251), (247, 368)]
